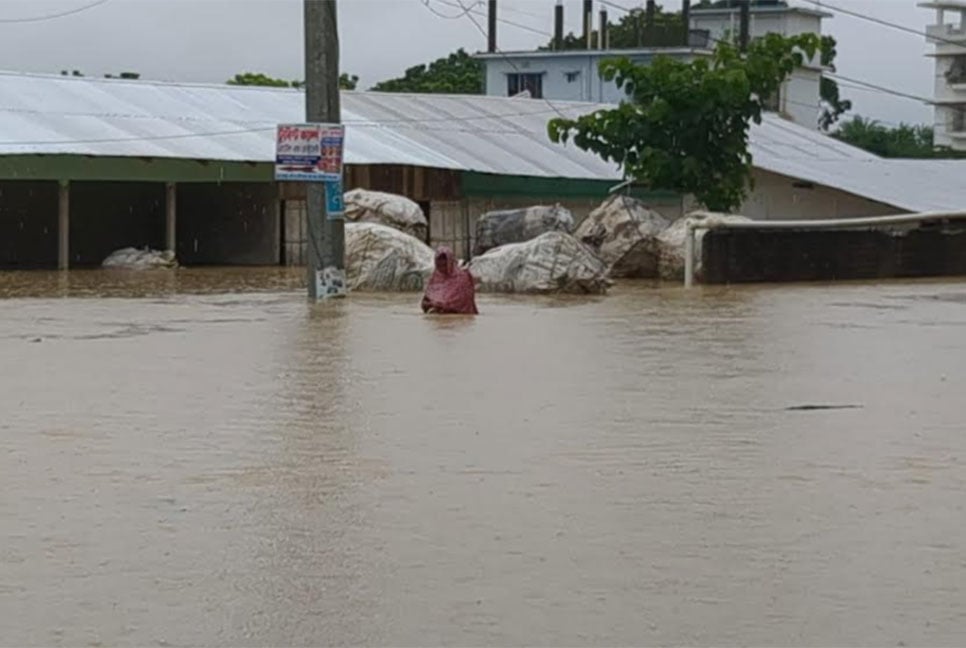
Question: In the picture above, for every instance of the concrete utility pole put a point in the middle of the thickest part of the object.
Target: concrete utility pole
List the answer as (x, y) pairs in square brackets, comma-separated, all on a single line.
[(326, 245)]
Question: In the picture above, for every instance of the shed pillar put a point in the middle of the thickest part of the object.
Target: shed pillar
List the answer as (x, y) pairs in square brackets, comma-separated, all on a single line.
[(63, 225), (170, 216)]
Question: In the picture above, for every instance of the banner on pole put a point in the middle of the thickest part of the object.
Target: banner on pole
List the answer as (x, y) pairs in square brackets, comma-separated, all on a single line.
[(334, 204), (309, 152)]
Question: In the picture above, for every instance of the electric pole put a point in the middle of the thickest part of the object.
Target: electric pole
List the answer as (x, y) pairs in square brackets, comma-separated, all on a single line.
[(326, 232)]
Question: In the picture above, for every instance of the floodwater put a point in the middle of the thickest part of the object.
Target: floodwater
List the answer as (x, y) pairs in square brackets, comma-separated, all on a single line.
[(203, 458)]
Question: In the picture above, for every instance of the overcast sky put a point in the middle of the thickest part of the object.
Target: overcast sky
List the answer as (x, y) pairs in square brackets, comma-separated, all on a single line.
[(211, 40)]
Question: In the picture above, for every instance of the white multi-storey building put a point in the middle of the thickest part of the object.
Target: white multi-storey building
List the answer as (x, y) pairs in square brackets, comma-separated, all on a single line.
[(948, 36)]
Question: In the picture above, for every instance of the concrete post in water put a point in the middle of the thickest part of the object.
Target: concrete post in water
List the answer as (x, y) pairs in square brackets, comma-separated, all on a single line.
[(326, 245), (688, 254), (63, 225), (170, 216)]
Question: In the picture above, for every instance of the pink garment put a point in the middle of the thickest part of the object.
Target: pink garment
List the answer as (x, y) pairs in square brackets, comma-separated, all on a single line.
[(450, 289)]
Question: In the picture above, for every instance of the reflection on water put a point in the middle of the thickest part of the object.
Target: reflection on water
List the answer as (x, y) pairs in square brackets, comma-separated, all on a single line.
[(202, 457)]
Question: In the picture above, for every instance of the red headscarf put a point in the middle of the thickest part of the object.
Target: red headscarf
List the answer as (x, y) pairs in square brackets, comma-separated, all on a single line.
[(450, 289)]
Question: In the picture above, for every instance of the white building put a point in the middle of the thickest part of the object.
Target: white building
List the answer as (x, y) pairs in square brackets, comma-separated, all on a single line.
[(572, 75), (948, 35)]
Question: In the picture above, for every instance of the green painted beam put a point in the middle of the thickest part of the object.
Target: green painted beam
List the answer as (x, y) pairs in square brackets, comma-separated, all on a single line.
[(478, 185), (129, 169)]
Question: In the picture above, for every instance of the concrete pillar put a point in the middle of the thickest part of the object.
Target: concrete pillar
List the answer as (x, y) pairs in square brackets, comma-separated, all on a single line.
[(63, 225), (170, 216)]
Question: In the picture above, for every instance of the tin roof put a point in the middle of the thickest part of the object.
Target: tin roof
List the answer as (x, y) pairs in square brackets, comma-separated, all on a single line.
[(109, 117), (499, 135)]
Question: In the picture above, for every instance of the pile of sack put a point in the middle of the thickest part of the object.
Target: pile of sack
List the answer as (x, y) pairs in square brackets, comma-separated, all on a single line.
[(140, 259), (531, 250)]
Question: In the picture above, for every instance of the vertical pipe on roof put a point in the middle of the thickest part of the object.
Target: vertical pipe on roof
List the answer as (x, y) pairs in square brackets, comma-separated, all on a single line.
[(491, 29), (603, 31), (686, 20), (744, 26), (649, 23), (588, 22), (558, 26)]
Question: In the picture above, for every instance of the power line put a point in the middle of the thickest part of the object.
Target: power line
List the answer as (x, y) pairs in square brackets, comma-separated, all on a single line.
[(53, 16), (469, 11), (867, 86), (506, 58), (885, 23), (426, 3), (879, 88), (523, 12), (617, 6)]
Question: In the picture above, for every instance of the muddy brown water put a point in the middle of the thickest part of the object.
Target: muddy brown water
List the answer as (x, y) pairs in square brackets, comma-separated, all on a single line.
[(203, 458)]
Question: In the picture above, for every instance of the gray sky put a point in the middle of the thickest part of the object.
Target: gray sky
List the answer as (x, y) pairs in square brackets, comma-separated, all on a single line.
[(210, 40)]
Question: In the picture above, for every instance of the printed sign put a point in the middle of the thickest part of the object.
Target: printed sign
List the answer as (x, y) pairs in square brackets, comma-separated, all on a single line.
[(330, 282), (309, 152), (334, 204)]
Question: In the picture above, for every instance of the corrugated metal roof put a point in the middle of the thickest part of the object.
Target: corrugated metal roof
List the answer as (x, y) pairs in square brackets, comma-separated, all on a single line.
[(109, 117)]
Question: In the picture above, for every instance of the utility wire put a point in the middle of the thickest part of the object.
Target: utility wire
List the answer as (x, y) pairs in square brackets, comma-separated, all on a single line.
[(885, 23), (512, 63), (469, 11), (617, 6), (53, 16), (867, 85), (878, 88), (523, 12), (439, 14)]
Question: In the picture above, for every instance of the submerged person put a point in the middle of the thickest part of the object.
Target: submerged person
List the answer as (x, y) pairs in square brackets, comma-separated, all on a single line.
[(450, 289)]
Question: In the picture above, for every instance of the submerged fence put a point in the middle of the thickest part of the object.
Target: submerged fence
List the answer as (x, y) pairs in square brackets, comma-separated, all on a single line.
[(815, 250)]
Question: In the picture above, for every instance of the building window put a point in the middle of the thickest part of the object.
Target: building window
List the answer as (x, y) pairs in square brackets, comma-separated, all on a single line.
[(517, 83), (957, 123), (572, 76), (957, 70)]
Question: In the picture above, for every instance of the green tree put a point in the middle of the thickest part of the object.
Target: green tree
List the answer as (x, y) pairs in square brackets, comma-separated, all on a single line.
[(630, 32), (346, 82), (903, 141), (259, 79), (685, 124), (458, 73), (834, 106)]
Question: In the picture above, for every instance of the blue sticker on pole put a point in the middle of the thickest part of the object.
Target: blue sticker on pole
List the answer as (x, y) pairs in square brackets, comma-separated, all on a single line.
[(334, 204)]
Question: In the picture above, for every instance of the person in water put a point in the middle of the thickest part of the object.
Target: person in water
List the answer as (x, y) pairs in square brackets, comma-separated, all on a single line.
[(450, 289)]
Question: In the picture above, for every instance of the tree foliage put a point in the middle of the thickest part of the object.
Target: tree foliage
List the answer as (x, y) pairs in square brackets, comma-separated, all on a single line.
[(903, 141), (259, 79), (346, 82), (122, 75), (458, 73), (833, 106), (685, 124)]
